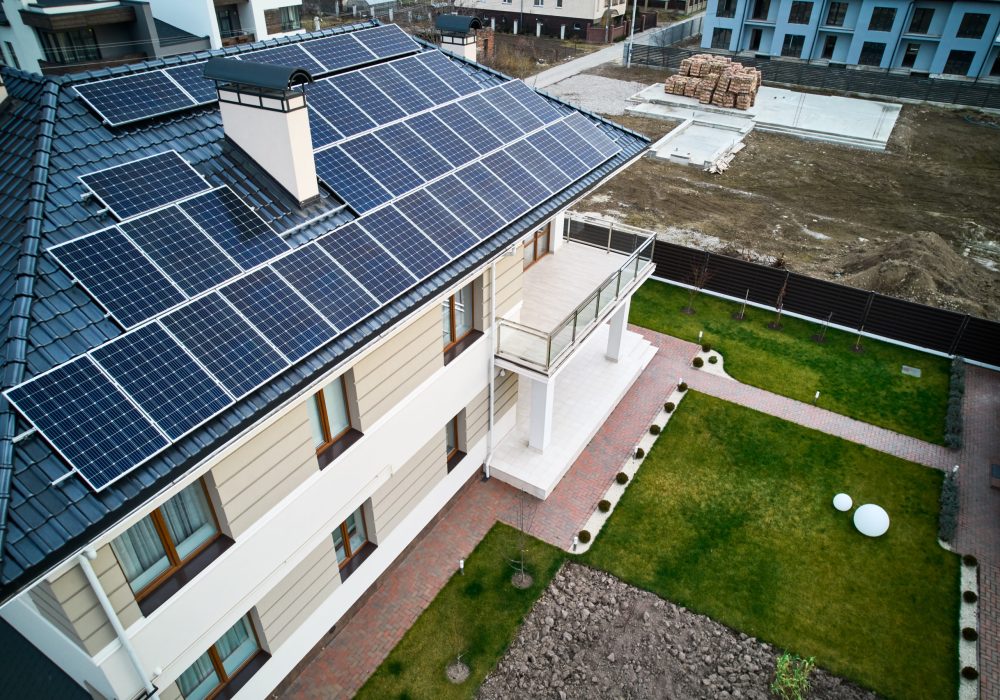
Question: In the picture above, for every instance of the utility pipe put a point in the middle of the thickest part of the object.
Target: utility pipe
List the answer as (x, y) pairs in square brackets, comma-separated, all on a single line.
[(492, 369), (86, 556)]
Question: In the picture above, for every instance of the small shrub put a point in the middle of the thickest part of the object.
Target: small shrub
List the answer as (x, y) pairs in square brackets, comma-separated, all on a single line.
[(791, 676), (682, 387), (969, 634), (969, 560), (604, 506), (705, 347), (953, 418), (621, 478), (639, 453), (948, 513), (714, 359), (654, 429), (969, 673), (669, 407), (697, 362), (584, 536), (970, 597)]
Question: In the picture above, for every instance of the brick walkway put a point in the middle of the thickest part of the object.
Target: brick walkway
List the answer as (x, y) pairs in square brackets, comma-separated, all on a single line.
[(341, 668)]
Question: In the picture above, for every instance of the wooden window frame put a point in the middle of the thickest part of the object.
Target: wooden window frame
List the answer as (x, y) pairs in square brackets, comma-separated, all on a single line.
[(533, 241), (225, 678), (324, 419), (349, 555), (455, 340), (452, 425)]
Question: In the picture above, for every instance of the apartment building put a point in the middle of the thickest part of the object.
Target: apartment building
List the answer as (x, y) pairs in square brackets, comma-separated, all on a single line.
[(960, 39), (228, 22), (263, 318), (588, 20)]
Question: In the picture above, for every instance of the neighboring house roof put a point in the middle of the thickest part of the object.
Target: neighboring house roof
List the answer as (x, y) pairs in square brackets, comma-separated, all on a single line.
[(25, 672), (48, 137), (457, 24), (170, 35)]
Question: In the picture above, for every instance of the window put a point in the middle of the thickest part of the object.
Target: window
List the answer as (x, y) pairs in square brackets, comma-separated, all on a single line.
[(792, 45), (761, 8), (453, 441), (350, 541), (537, 247), (871, 53), (755, 36), (828, 47), (800, 12), (973, 25), (559, 3), (959, 62), (228, 17), (165, 543), (13, 55), (921, 20), (721, 37), (910, 57), (725, 8), (71, 47), (282, 19), (329, 415), (835, 17), (995, 70), (539, 3), (882, 19), (456, 316), (223, 664)]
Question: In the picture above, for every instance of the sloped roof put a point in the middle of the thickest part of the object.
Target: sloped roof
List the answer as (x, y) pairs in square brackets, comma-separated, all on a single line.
[(54, 137)]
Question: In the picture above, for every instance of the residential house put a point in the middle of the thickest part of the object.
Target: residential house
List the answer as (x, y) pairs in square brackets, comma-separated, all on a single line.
[(228, 22), (588, 20)]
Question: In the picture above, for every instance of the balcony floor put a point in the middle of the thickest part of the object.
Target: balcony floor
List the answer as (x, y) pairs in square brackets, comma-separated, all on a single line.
[(561, 281)]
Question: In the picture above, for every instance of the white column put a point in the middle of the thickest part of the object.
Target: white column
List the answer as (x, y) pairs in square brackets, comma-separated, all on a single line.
[(542, 396), (556, 235), (618, 322)]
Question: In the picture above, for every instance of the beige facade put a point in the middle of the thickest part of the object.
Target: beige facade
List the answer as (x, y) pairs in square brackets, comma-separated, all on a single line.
[(393, 501)]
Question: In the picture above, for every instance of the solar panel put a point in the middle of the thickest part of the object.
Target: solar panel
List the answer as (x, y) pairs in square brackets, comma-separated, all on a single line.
[(558, 154), (144, 184), (367, 262), (345, 116), (320, 131), (88, 421), (181, 249), (191, 77), (339, 52), (512, 173), (227, 345), (129, 98), (576, 144), (468, 127), (113, 270), (235, 227), (281, 315), (407, 97), (393, 174), (498, 124), (387, 40), (456, 78), (442, 139), (532, 101), (349, 180), (317, 277), (594, 136), (462, 202), (362, 92), (414, 150), (408, 243), (289, 56), (538, 165), (163, 379), (512, 109), (424, 79), (437, 222), (493, 191)]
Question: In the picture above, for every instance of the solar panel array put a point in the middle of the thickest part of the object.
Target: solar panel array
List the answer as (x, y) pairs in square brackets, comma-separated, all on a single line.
[(218, 304), (144, 184), (131, 98)]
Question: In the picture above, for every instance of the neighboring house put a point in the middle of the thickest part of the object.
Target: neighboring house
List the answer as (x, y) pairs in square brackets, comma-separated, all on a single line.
[(590, 20), (253, 349), (926, 37), (60, 36), (228, 22)]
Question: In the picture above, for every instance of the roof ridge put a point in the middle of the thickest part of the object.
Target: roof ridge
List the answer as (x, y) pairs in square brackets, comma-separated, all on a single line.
[(16, 339)]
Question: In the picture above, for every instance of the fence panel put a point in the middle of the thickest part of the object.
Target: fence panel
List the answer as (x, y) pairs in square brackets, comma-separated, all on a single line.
[(818, 299), (913, 323), (980, 340)]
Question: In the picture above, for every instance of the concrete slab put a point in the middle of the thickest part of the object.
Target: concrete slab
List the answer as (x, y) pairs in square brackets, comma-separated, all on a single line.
[(702, 141)]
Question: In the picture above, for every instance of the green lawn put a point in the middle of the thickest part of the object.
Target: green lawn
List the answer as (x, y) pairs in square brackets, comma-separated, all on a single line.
[(476, 614), (731, 516), (868, 386)]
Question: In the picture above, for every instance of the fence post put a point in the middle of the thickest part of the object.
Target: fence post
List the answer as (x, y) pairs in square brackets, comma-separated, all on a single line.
[(958, 335), (868, 306), (611, 227)]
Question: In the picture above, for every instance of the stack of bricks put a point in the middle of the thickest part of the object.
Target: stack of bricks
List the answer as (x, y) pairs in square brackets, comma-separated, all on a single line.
[(716, 80)]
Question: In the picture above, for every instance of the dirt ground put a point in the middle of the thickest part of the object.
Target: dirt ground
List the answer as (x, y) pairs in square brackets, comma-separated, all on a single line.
[(919, 221)]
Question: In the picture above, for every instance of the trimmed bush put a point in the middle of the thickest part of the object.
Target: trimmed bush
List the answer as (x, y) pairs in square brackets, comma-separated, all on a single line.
[(705, 347), (621, 478), (969, 673), (969, 634), (948, 513), (604, 506), (669, 407), (697, 362), (970, 597), (639, 453), (584, 536), (969, 560), (953, 418), (654, 429), (682, 387), (714, 359)]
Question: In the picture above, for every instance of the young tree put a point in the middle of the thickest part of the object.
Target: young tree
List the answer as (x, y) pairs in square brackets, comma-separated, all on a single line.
[(697, 278), (779, 305)]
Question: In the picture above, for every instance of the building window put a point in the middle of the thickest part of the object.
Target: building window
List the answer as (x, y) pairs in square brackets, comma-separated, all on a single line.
[(329, 414), (539, 3), (351, 543), (761, 8), (910, 57), (282, 19), (828, 47), (755, 36), (792, 45), (537, 247), (71, 47), (882, 19), (721, 37), (973, 25), (959, 62), (921, 20), (995, 70), (800, 12), (871, 53), (559, 3), (837, 13), (13, 54), (167, 541), (228, 17), (453, 433), (222, 665), (456, 316), (726, 8)]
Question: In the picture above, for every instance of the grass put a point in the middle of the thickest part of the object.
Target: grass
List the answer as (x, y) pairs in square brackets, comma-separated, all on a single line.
[(731, 516), (868, 386), (476, 614)]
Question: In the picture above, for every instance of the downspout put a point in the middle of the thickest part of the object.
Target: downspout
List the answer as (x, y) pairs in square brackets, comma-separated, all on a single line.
[(819, 24), (85, 557), (899, 38), (492, 370)]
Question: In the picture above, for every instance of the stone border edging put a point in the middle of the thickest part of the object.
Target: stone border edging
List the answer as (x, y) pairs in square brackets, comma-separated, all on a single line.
[(968, 616)]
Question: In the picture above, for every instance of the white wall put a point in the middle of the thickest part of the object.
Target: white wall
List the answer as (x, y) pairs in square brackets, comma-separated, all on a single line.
[(260, 26), (24, 39), (194, 16)]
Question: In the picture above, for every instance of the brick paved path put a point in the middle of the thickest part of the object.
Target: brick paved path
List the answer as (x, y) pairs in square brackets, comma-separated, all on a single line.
[(342, 667)]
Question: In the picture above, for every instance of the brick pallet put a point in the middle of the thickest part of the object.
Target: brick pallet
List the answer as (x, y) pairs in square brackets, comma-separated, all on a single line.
[(716, 80)]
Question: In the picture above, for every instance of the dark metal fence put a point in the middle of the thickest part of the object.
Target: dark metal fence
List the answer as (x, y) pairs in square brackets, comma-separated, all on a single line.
[(924, 326), (841, 78)]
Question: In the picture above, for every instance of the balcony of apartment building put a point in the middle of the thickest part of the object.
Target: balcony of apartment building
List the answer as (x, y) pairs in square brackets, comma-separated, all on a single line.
[(84, 36), (231, 27), (570, 347)]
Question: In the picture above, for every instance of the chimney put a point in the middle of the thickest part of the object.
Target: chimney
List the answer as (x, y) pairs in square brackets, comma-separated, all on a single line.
[(265, 116), (458, 34)]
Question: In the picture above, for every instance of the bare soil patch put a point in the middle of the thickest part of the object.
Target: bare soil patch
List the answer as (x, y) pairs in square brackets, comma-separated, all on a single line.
[(592, 636)]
